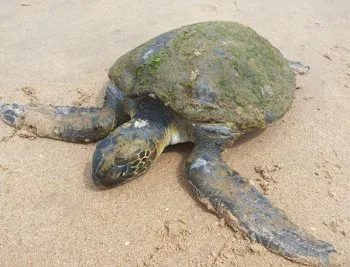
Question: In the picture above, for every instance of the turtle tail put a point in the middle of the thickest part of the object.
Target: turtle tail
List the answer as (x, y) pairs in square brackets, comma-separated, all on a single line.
[(233, 197), (67, 123)]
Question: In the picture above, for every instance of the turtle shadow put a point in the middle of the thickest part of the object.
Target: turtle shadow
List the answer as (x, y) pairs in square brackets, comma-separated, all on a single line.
[(184, 150), (87, 180)]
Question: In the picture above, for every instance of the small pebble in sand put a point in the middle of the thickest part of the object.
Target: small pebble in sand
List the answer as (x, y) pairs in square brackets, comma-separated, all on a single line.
[(255, 248)]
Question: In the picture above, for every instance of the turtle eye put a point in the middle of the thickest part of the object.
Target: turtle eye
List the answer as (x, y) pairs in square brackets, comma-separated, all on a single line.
[(120, 161), (119, 171)]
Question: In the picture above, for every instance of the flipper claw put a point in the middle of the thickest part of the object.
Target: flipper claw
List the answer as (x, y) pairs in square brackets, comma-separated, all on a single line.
[(12, 114)]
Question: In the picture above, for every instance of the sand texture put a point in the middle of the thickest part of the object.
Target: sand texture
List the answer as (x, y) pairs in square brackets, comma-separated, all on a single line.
[(59, 52)]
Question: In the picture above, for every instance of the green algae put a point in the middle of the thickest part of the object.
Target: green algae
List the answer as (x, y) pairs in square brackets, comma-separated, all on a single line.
[(234, 65)]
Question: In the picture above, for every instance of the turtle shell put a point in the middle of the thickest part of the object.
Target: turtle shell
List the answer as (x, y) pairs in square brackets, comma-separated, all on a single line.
[(213, 72)]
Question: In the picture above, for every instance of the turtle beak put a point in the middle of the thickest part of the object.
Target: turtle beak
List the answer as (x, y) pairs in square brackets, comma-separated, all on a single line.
[(108, 171)]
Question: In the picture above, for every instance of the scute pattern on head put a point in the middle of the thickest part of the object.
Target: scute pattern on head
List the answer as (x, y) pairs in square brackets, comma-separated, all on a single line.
[(215, 72)]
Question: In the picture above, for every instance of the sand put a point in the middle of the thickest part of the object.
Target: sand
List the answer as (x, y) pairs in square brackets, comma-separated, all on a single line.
[(59, 52)]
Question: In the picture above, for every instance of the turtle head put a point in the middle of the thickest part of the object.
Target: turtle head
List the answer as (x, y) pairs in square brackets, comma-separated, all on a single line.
[(120, 157), (131, 148)]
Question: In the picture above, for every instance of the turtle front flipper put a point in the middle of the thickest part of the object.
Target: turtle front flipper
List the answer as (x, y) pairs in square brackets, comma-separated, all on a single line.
[(241, 204), (130, 149), (72, 124)]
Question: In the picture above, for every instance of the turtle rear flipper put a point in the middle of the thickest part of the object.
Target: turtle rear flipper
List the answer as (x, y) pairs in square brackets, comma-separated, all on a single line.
[(67, 123), (241, 204)]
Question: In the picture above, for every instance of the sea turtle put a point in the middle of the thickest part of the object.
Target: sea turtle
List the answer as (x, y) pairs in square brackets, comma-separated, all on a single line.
[(206, 83)]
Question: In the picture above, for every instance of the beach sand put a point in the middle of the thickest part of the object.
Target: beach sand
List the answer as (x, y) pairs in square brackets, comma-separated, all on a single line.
[(59, 52)]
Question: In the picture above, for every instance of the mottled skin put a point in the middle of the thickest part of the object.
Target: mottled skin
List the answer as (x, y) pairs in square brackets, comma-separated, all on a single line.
[(71, 124), (233, 197), (137, 126)]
